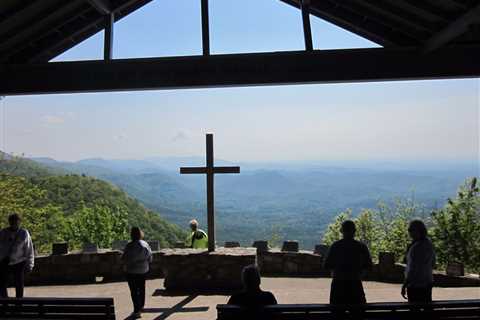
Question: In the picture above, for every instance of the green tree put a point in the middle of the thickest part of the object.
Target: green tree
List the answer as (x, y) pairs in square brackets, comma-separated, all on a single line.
[(368, 231), (333, 232), (275, 236), (384, 228), (456, 228), (44, 220), (99, 225)]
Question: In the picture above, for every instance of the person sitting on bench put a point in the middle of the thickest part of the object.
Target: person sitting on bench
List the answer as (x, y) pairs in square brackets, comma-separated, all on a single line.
[(252, 297), (348, 259)]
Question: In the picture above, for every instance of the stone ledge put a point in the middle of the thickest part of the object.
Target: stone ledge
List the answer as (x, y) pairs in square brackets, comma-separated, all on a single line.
[(286, 263), (239, 251), (185, 269), (85, 267)]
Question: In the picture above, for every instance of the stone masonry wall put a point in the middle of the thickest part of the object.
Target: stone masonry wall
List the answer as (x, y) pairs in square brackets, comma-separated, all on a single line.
[(86, 267), (279, 263), (185, 269)]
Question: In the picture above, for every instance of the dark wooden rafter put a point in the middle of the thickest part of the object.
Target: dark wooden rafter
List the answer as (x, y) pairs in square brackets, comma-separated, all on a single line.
[(403, 17), (456, 5), (72, 32), (298, 67), (102, 6), (453, 30), (28, 52), (367, 11), (11, 16), (15, 40), (356, 23), (425, 9)]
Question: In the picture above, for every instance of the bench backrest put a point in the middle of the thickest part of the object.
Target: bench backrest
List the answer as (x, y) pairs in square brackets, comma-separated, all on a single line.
[(443, 310), (56, 308)]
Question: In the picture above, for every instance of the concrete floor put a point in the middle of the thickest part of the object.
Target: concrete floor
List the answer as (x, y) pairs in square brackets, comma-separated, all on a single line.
[(286, 290)]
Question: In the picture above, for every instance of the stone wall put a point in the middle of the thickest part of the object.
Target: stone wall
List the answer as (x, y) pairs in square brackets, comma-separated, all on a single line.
[(186, 265), (185, 269), (306, 263), (281, 263), (83, 268)]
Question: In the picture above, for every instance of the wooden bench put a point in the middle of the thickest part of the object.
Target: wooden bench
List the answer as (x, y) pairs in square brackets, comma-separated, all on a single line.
[(442, 310), (57, 308)]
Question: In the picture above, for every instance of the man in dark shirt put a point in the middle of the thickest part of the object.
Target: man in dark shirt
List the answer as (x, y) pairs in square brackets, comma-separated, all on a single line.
[(348, 259), (252, 297)]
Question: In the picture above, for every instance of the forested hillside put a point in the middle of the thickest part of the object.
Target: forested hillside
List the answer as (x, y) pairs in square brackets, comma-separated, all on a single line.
[(74, 208), (453, 229)]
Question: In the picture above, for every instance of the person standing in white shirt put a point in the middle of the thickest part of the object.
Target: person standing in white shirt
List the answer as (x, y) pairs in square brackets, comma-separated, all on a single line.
[(137, 257), (417, 287), (16, 255)]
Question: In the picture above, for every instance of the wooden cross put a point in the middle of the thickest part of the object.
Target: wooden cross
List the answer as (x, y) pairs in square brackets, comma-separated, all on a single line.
[(210, 171)]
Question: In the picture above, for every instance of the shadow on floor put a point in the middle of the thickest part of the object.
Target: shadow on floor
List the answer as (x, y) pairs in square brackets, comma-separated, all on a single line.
[(178, 293), (178, 308)]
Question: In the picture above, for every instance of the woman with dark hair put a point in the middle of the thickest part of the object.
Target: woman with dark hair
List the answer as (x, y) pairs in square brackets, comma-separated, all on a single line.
[(420, 260), (137, 257)]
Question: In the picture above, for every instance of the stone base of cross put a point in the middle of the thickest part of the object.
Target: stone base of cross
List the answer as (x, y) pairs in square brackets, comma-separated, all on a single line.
[(210, 170)]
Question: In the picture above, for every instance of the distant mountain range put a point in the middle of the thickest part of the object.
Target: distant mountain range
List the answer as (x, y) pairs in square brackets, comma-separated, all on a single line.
[(298, 201)]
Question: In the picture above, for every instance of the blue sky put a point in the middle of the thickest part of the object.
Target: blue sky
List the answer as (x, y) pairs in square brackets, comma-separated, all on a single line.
[(368, 121)]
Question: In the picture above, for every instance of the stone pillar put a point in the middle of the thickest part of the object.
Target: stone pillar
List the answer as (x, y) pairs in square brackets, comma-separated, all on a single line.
[(290, 246), (90, 248), (261, 245), (386, 260), (455, 269), (59, 248), (232, 244), (386, 267), (321, 250)]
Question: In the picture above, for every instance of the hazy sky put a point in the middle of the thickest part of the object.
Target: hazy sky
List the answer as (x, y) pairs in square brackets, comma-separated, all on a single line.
[(396, 120)]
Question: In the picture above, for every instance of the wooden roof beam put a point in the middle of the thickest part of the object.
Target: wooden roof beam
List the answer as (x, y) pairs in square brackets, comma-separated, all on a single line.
[(426, 9), (354, 22), (102, 6), (394, 13), (453, 30), (371, 12), (276, 68), (73, 34)]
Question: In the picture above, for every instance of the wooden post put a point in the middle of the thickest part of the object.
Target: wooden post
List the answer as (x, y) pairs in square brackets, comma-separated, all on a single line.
[(307, 30), (205, 29), (210, 194), (108, 37)]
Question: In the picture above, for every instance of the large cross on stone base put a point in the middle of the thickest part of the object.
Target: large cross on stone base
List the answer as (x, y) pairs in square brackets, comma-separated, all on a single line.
[(210, 171)]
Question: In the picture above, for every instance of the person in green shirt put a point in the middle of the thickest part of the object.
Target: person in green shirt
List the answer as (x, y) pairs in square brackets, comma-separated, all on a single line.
[(197, 239)]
